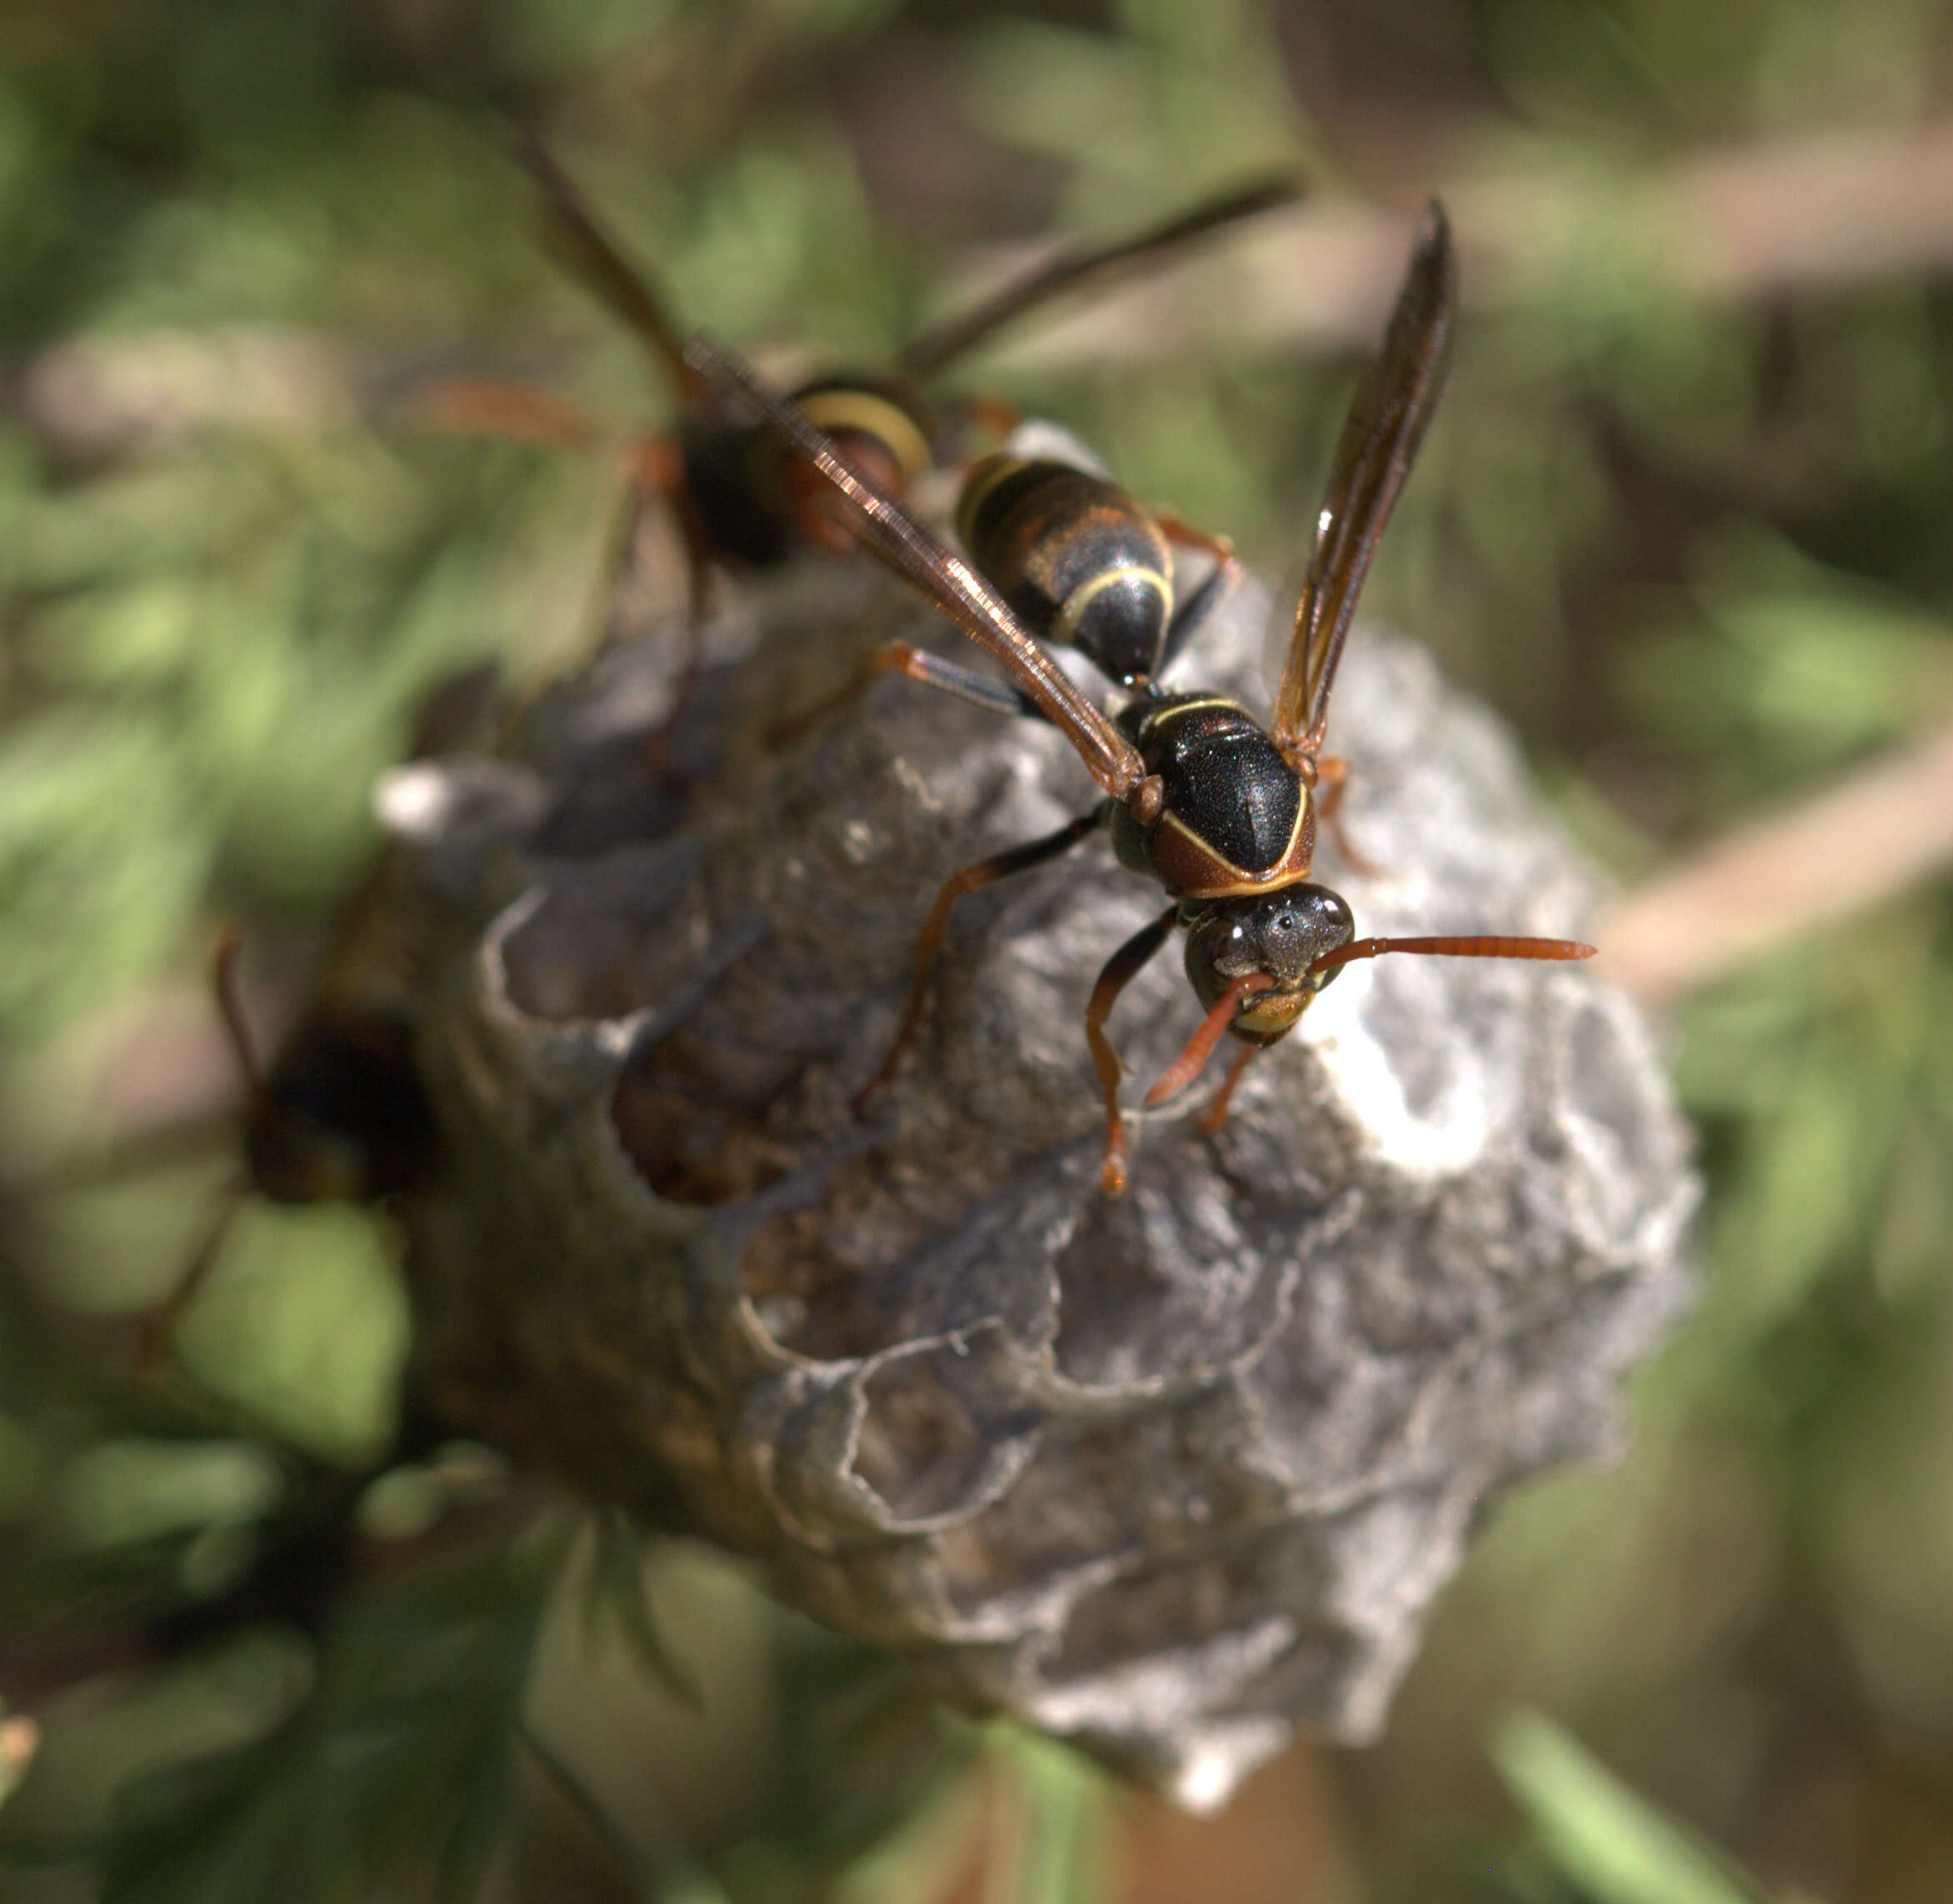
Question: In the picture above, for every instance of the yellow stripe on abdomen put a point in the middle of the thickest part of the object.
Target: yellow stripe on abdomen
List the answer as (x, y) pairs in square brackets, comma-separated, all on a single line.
[(871, 415), (1064, 627)]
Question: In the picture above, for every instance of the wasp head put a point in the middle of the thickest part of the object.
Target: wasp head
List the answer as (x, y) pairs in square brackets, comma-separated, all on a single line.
[(1282, 933)]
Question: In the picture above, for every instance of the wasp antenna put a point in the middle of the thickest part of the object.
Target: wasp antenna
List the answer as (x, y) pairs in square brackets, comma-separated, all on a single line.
[(1200, 1047), (1479, 946), (156, 1331), (591, 254), (230, 1004)]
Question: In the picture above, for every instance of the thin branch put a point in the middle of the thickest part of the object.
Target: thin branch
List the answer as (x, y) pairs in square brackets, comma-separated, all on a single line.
[(1872, 836), (1782, 214), (1723, 226)]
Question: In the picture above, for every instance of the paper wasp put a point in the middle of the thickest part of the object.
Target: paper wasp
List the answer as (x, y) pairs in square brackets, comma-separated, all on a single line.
[(1077, 558), (1221, 810), (337, 1113)]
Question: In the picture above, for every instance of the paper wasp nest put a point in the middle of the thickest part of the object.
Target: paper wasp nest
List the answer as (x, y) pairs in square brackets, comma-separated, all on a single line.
[(1169, 1474)]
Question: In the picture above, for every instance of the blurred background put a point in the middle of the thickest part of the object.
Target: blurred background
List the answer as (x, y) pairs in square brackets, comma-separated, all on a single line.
[(1683, 518)]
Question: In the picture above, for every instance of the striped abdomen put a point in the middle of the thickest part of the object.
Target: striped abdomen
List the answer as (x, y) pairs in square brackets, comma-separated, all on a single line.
[(1076, 558), (755, 501)]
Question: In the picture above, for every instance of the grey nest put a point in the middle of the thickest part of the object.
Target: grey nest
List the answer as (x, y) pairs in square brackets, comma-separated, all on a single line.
[(1170, 1475)]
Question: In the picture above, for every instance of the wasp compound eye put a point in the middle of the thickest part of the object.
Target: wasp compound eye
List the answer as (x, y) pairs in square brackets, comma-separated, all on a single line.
[(1295, 928)]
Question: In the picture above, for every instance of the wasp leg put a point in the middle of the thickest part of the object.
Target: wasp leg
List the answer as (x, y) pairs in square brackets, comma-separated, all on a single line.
[(156, 1329), (490, 406), (1177, 529), (988, 415), (982, 691), (1121, 968), (929, 943), (655, 468), (1216, 1114), (653, 465), (1199, 607), (1332, 778), (966, 683)]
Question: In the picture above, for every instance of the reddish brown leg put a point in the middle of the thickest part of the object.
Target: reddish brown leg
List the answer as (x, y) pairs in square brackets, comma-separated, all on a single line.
[(1121, 968), (230, 1009), (918, 664), (654, 465), (651, 466), (990, 416), (1197, 609), (482, 407), (1333, 777), (968, 879), (657, 468), (981, 689), (1177, 529), (1216, 1114), (156, 1330)]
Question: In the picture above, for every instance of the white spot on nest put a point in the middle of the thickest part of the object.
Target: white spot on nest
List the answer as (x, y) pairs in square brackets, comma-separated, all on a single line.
[(1447, 1138), (414, 802), (1221, 1755)]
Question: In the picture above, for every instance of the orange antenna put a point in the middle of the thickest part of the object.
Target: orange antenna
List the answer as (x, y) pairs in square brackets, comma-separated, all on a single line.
[(230, 1004), (1482, 947), (156, 1331), (1200, 1047)]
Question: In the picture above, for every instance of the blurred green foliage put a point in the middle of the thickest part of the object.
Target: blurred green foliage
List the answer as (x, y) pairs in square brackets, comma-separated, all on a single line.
[(1695, 546), (1607, 1842)]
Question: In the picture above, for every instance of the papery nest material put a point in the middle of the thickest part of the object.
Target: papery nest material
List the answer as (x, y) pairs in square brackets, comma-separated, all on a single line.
[(1171, 1475)]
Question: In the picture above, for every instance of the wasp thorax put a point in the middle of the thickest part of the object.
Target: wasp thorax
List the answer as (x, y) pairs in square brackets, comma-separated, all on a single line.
[(1281, 933)]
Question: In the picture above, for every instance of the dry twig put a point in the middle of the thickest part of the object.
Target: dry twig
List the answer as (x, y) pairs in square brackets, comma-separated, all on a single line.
[(1826, 858)]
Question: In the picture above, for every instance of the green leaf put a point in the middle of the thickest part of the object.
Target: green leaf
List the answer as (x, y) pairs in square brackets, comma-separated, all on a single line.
[(232, 1829), (100, 863), (304, 1322), (1613, 1846), (614, 1586), (1062, 1820), (399, 1762), (122, 1493)]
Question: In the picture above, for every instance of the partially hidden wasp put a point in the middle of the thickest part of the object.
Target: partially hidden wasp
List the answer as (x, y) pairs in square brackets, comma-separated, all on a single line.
[(338, 1112), (1077, 558), (1221, 811)]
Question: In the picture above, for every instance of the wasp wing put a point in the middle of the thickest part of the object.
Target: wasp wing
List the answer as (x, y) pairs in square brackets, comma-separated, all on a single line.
[(1388, 416), (586, 250)]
